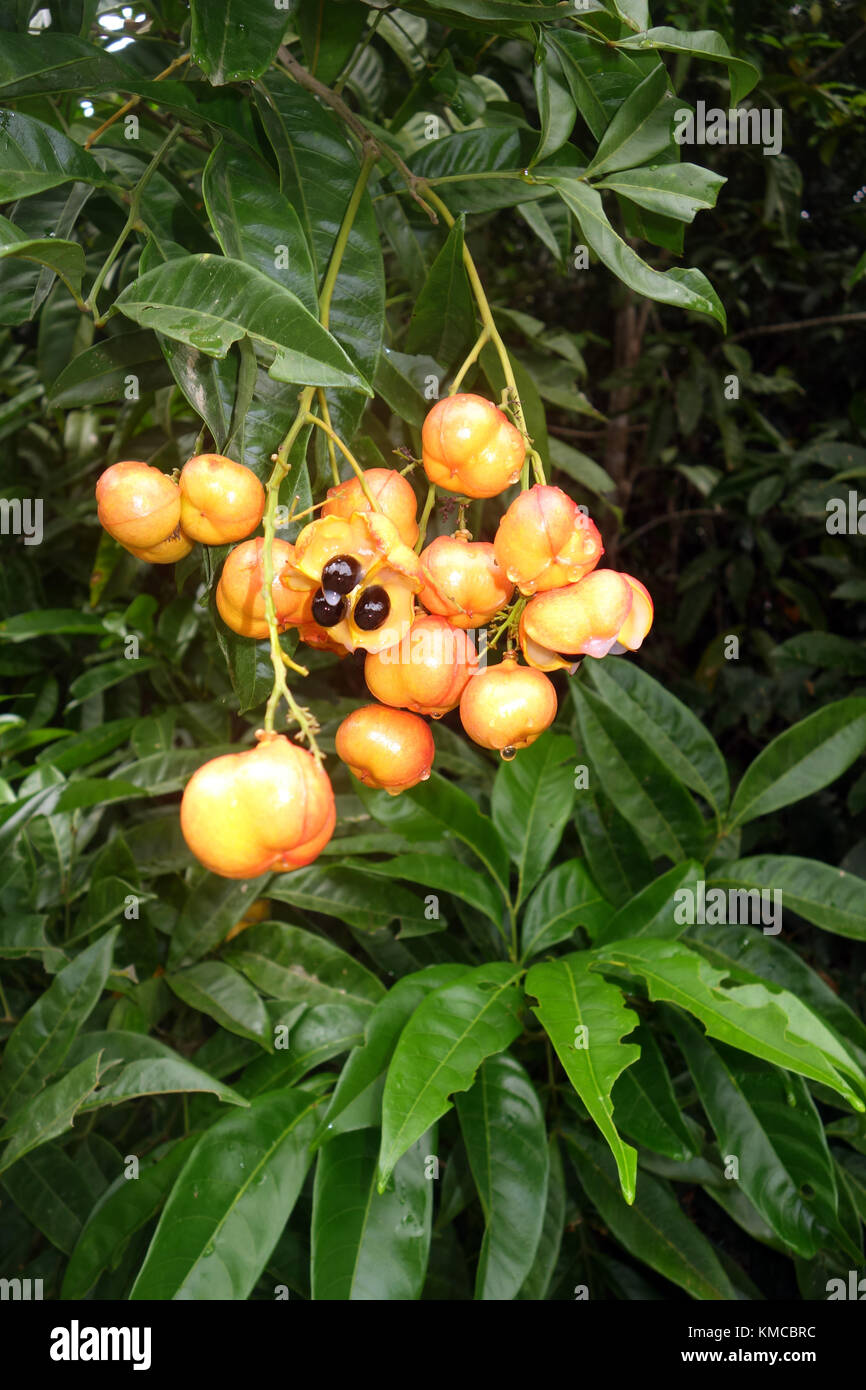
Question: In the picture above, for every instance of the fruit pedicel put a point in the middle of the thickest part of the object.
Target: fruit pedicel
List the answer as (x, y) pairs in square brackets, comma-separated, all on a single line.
[(359, 578)]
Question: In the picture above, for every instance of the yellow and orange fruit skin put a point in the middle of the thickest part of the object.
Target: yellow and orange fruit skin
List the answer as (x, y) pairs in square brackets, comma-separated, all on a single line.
[(221, 501), (394, 495), (470, 447), (463, 581), (388, 749), (426, 672), (507, 707), (268, 809), (240, 593), (138, 505), (545, 541)]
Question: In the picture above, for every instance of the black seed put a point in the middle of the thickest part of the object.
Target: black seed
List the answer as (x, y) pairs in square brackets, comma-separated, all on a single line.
[(341, 574), (328, 609), (372, 608)]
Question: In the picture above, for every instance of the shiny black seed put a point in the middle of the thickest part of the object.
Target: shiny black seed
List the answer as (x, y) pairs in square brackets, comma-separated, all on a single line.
[(341, 574), (328, 608), (372, 608)]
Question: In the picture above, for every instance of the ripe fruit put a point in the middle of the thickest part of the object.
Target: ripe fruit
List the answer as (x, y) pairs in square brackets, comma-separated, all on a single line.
[(138, 505), (427, 671), (470, 447), (463, 580), (240, 597), (167, 552), (361, 579), (270, 808), (221, 501), (544, 540), (507, 706), (639, 620), (389, 749), (394, 494), (582, 619)]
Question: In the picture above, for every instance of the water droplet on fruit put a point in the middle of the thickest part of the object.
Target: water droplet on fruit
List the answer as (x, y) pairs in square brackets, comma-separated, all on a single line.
[(508, 754)]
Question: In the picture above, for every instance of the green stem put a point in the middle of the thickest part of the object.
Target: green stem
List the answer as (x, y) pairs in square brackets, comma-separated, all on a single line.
[(347, 454), (473, 355), (322, 398), (131, 220), (425, 517)]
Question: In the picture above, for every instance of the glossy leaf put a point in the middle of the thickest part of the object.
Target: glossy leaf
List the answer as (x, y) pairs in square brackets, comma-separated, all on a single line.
[(531, 804), (125, 1208), (289, 963), (557, 108), (447, 875), (215, 989), (537, 1283), (639, 782), (645, 1106), (640, 129), (212, 908), (586, 1019), (439, 1051), (210, 302), (667, 725), (324, 1031), (652, 911), (827, 897), (35, 156), (368, 1245), (802, 760), (354, 896), (235, 39), (52, 1192), (49, 1113), (656, 1229), (228, 1206), (41, 1039), (503, 1128), (145, 1067), (769, 1121), (443, 319), (768, 1023), (64, 258), (565, 899), (672, 190), (704, 43), (100, 373), (457, 812), (617, 860), (686, 289)]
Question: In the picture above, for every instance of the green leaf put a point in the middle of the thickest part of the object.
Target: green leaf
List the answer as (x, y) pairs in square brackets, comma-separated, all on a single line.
[(580, 467), (557, 109), (354, 896), (479, 170), (210, 302), (366, 1244), (230, 1203), (35, 156), (215, 989), (232, 40), (292, 964), (328, 41), (41, 1039), (645, 1106), (443, 319), (64, 258), (53, 1194), (826, 896), (457, 812), (640, 129), (502, 1124), (50, 622), (765, 1022), (53, 62), (537, 1282), (101, 372), (686, 289), (254, 222), (586, 1019), (639, 781), (617, 859), (656, 1229), (565, 899), (49, 1113), (802, 760), (147, 1067), (212, 908), (442, 872), (769, 1121), (651, 912), (531, 804), (24, 935), (672, 190), (125, 1208), (600, 76), (323, 1032), (440, 1049), (703, 43), (667, 725), (368, 1062)]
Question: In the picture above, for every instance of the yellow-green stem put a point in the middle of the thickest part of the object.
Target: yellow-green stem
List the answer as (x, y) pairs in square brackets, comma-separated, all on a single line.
[(347, 454), (473, 355), (425, 517), (332, 453)]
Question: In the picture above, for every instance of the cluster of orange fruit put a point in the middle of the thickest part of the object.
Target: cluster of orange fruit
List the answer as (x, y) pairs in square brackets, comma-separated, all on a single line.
[(353, 581)]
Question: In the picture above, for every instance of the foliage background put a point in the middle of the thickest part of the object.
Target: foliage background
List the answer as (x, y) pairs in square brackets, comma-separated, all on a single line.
[(718, 505)]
